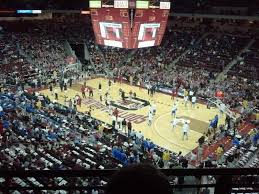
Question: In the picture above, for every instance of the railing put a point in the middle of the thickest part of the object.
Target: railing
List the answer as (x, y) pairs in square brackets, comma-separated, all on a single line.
[(226, 181)]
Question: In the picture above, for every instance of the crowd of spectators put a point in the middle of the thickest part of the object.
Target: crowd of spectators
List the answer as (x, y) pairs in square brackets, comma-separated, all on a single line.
[(150, 65), (247, 65), (13, 65), (36, 134), (214, 52), (45, 51), (114, 56), (32, 55), (178, 41), (197, 69)]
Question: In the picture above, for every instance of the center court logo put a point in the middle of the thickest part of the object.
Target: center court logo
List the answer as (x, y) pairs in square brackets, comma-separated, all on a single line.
[(137, 119), (130, 104)]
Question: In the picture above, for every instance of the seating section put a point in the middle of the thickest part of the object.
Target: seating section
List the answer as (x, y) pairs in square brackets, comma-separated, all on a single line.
[(48, 53), (248, 67), (198, 69), (243, 155), (12, 62), (114, 56), (214, 52), (177, 41)]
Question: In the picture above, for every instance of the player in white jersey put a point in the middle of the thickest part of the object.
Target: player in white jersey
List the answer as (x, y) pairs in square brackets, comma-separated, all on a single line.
[(194, 101), (185, 130), (191, 93), (174, 109), (150, 118), (154, 109), (174, 123), (185, 98), (110, 109), (150, 108)]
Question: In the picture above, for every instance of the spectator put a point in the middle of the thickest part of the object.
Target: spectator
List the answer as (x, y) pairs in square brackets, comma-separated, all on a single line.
[(142, 179)]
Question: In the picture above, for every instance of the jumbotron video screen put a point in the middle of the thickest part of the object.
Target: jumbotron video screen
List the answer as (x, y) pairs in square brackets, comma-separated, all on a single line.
[(111, 27), (129, 23)]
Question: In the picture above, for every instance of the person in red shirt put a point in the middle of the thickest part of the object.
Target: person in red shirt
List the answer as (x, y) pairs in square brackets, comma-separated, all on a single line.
[(129, 125), (116, 113), (219, 94), (1, 128), (83, 91), (120, 79), (79, 101), (174, 94)]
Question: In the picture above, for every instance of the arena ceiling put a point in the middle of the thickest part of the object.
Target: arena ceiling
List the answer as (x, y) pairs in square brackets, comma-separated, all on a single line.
[(83, 4)]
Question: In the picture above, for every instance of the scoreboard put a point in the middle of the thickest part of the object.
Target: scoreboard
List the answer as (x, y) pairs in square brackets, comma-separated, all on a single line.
[(149, 27), (129, 23), (124, 4), (111, 27), (130, 4)]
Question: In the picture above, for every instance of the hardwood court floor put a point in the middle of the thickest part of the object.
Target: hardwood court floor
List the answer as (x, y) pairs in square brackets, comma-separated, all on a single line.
[(160, 132)]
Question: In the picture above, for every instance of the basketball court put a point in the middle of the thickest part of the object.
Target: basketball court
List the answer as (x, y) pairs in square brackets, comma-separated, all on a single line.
[(161, 131)]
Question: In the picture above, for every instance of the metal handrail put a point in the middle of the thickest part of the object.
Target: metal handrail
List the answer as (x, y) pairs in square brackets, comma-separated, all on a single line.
[(109, 172)]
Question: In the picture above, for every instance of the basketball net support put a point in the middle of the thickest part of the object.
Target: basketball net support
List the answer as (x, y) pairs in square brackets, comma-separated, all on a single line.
[(222, 107)]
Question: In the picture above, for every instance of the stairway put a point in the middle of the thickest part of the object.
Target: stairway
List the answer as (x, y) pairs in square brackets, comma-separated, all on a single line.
[(132, 52), (222, 76), (102, 55), (108, 72), (70, 52), (22, 53), (79, 50)]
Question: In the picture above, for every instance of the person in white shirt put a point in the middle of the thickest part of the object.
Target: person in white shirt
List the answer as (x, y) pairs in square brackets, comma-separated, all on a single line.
[(148, 89), (174, 123), (139, 137), (94, 191), (65, 81), (155, 157), (150, 118), (1, 108), (191, 94), (185, 129), (114, 118), (193, 157), (118, 123), (193, 101), (35, 81), (150, 108), (185, 98), (174, 109), (154, 108)]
